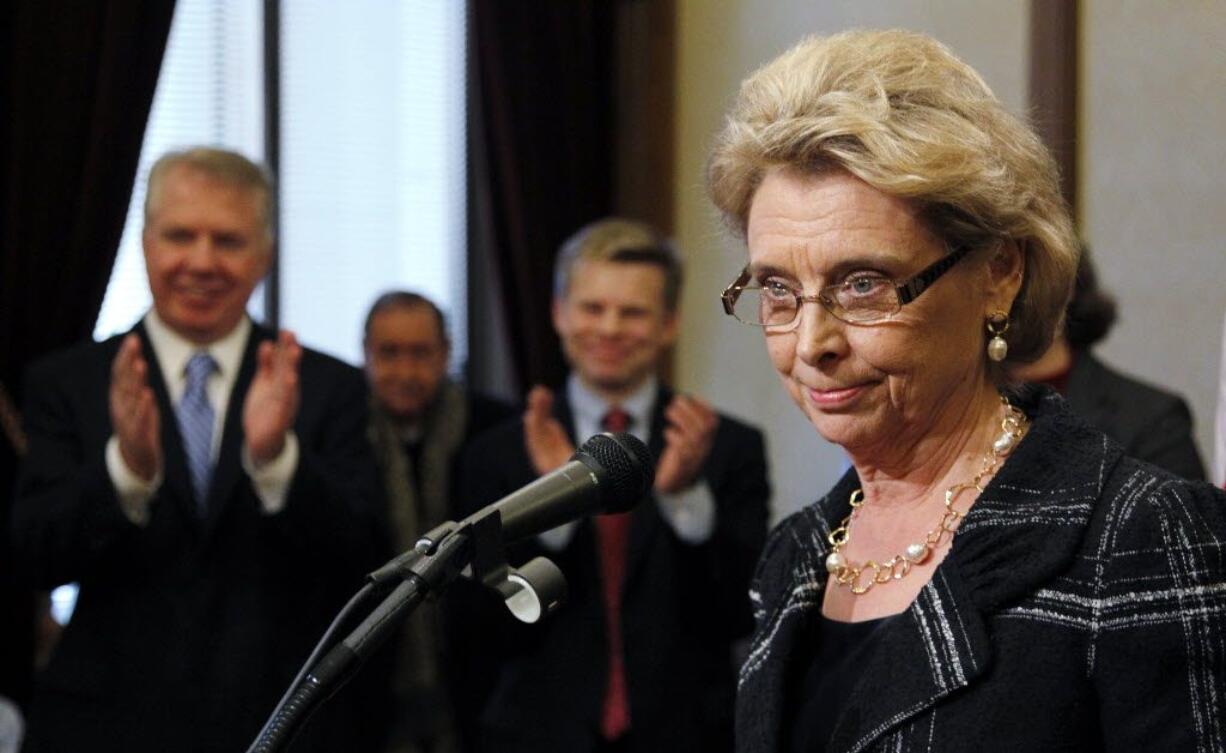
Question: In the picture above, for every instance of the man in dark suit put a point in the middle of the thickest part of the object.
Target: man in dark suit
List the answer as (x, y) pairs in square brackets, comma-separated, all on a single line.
[(420, 422), (206, 481), (641, 656)]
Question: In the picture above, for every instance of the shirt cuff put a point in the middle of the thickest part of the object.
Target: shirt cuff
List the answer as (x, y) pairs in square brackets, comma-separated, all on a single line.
[(557, 539), (691, 512), (272, 479), (134, 493)]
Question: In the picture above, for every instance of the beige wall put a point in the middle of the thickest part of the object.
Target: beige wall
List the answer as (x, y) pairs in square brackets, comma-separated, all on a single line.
[(1153, 192), (719, 44)]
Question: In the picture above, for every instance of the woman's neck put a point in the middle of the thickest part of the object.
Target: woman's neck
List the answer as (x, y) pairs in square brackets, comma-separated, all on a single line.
[(949, 451)]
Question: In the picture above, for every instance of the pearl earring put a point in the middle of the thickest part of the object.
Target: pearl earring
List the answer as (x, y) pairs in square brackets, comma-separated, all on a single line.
[(998, 324)]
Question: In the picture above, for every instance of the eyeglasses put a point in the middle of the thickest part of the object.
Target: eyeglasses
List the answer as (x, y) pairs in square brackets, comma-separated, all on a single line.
[(859, 300)]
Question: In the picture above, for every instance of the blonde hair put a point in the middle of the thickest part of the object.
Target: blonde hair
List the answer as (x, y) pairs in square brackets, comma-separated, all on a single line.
[(622, 241), (899, 111), (230, 168)]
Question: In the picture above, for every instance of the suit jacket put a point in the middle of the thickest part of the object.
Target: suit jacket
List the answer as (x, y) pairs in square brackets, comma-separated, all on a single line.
[(1082, 607), (1152, 424), (186, 632), (683, 607)]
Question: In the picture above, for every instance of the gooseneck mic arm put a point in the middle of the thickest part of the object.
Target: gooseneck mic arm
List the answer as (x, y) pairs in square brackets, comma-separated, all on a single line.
[(609, 473)]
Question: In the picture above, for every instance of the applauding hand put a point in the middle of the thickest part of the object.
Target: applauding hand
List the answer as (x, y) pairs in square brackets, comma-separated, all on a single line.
[(134, 413), (546, 440), (687, 442), (272, 400)]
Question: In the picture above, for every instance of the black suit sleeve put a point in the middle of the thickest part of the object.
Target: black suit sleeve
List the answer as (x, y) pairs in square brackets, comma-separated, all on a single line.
[(331, 511), (1152, 423), (1167, 441), (66, 517), (720, 568)]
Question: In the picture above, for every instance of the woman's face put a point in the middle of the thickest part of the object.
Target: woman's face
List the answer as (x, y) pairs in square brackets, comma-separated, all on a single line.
[(872, 387)]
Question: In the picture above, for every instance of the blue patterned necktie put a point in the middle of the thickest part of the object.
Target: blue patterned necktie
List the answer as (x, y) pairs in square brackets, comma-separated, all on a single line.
[(195, 416)]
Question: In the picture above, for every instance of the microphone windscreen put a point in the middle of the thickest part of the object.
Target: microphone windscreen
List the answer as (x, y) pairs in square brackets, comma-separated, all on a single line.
[(629, 467)]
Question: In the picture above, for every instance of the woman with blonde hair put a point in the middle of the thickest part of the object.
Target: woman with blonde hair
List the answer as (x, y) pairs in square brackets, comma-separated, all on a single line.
[(992, 573)]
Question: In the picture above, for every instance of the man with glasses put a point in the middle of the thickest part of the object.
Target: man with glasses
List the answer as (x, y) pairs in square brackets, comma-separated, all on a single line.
[(640, 657), (420, 422)]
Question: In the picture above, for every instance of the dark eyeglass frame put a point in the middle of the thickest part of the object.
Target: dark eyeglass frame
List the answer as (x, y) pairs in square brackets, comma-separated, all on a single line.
[(906, 291)]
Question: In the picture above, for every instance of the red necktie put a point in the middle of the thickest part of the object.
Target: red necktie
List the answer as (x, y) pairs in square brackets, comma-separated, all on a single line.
[(612, 532)]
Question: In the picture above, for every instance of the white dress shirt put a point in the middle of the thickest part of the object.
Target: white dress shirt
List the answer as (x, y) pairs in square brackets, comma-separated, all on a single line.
[(690, 512), (172, 351)]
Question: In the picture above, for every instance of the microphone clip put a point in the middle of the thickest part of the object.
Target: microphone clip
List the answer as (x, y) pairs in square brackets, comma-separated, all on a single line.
[(531, 591)]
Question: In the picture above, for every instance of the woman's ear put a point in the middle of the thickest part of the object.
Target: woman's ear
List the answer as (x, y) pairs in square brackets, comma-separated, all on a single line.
[(1005, 272)]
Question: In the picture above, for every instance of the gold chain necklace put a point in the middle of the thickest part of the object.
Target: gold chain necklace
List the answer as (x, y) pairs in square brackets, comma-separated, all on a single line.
[(848, 574)]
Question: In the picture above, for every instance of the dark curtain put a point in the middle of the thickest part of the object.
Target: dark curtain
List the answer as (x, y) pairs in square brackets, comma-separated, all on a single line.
[(77, 84), (1053, 85), (542, 163)]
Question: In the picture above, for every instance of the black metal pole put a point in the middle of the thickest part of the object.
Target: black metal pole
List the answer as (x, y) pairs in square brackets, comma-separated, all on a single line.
[(429, 573), (272, 151)]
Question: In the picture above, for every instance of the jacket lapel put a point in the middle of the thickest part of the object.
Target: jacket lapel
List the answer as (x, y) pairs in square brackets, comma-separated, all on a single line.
[(641, 524), (1019, 535), (941, 641), (797, 584), (1024, 530), (229, 464), (646, 520)]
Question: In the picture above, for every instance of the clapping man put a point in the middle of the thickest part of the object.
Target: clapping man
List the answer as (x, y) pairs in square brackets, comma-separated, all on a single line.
[(641, 656), (205, 480)]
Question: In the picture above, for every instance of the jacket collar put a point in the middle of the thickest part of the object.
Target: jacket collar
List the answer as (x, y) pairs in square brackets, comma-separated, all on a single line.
[(1026, 528), (641, 525), (229, 467)]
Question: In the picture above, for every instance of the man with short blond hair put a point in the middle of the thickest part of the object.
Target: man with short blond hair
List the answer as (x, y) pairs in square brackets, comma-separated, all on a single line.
[(640, 658), (207, 483)]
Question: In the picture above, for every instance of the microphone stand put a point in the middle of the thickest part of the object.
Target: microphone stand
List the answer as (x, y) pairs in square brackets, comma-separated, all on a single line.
[(474, 548)]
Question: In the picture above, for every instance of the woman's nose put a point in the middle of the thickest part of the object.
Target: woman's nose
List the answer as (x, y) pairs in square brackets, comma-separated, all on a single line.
[(819, 334)]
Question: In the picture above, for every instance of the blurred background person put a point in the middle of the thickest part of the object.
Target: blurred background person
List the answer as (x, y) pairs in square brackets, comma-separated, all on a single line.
[(992, 572), (640, 657), (1151, 423), (207, 482), (420, 423)]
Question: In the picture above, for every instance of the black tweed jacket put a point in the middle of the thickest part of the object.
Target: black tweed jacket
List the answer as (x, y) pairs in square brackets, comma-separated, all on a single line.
[(1082, 608)]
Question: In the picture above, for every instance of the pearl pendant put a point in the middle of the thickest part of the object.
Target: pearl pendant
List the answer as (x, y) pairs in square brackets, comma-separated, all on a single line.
[(835, 561), (916, 553), (1004, 443), (998, 348)]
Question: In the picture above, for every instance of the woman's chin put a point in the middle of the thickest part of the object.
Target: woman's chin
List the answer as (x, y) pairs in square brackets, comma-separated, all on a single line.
[(849, 432)]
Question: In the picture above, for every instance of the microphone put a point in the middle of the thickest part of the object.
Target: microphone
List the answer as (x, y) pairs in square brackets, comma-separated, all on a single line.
[(610, 473)]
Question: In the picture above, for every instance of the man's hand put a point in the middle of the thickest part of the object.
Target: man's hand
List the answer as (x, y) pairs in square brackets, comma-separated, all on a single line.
[(687, 442), (272, 400), (546, 440), (134, 412)]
